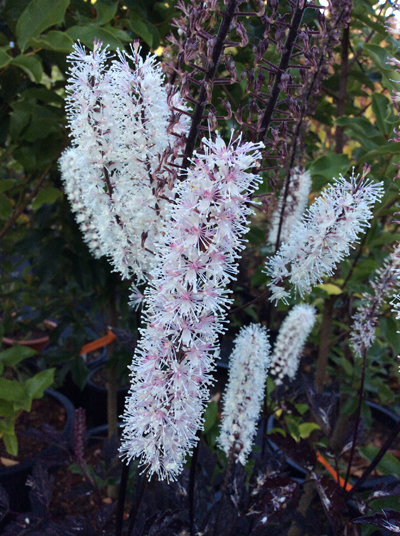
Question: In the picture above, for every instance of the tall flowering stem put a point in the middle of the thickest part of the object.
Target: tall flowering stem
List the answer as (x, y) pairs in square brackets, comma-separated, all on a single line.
[(249, 365), (290, 342), (185, 306), (324, 236)]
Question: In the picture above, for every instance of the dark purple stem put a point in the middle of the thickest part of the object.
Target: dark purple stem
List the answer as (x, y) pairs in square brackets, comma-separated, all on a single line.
[(202, 98), (358, 414), (384, 448)]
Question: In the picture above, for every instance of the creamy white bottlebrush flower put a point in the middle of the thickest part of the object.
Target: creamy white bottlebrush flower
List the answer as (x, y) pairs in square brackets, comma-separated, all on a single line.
[(384, 285), (290, 342), (324, 236), (185, 304), (248, 367), (296, 203), (118, 117), (70, 170)]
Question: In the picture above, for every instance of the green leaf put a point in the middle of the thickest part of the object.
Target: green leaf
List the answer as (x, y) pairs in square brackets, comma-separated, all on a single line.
[(6, 184), (6, 426), (210, 415), (20, 118), (30, 65), (11, 390), (11, 444), (344, 364), (43, 122), (4, 57), (142, 30), (47, 195), (105, 10), (389, 465), (7, 409), (37, 17), (327, 167), (306, 428), (330, 288), (54, 40), (36, 385), (5, 207), (16, 354), (87, 34), (302, 408), (383, 110)]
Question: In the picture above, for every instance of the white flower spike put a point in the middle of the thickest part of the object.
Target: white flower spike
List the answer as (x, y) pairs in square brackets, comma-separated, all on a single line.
[(185, 306), (290, 342), (324, 236), (249, 363)]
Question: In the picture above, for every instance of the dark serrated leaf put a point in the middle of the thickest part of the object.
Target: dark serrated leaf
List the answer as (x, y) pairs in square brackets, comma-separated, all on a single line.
[(387, 519), (110, 450), (4, 503), (333, 500), (41, 489), (79, 525), (301, 452), (103, 515)]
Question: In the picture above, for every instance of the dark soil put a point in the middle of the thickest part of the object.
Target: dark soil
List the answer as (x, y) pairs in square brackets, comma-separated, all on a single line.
[(46, 410), (72, 493)]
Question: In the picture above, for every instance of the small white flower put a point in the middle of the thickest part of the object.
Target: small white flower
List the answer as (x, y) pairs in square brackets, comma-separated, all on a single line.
[(249, 363), (290, 342)]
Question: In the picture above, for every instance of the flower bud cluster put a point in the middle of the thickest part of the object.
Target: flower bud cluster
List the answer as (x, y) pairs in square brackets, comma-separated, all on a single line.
[(385, 282), (290, 342), (185, 304), (118, 117), (296, 203), (324, 236), (249, 363)]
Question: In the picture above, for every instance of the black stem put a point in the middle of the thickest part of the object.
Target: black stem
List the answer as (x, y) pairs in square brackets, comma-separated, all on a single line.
[(202, 98), (358, 414), (384, 448), (121, 498), (283, 65), (192, 479), (136, 505), (296, 135)]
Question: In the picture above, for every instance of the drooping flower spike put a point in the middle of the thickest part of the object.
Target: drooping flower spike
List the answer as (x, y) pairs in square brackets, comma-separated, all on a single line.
[(118, 116), (248, 367), (290, 342), (366, 318), (324, 236), (185, 305)]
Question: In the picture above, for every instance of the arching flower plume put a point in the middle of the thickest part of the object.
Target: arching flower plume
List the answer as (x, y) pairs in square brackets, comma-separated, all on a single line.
[(324, 236), (290, 342), (249, 363), (185, 305), (119, 119)]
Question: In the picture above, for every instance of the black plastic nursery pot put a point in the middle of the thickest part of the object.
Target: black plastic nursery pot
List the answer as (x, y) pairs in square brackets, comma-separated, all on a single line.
[(97, 399), (13, 479), (380, 414), (78, 396)]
